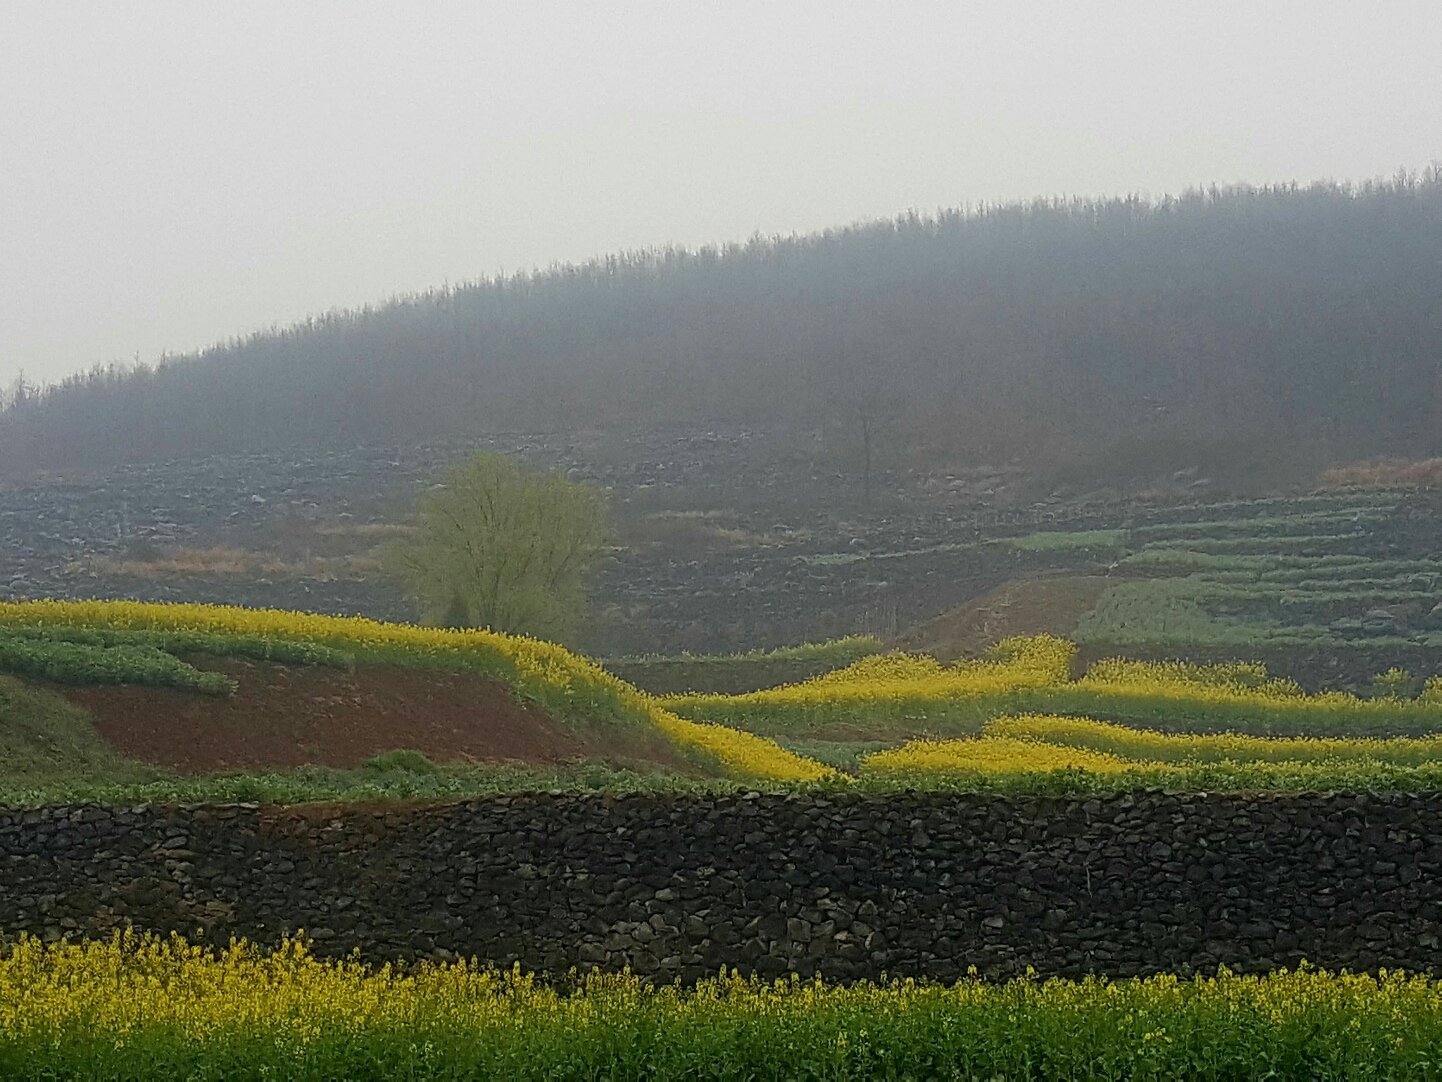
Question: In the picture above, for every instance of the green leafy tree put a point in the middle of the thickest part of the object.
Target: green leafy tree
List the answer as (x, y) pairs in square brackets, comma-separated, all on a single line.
[(502, 546)]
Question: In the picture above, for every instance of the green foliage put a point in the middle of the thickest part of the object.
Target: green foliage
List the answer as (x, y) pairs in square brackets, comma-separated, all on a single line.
[(88, 657), (47, 741), (1296, 521), (1268, 565), (407, 760), (256, 647), (1182, 612), (832, 651), (1068, 540), (1333, 776), (843, 755), (1287, 577), (503, 547), (1312, 544), (1164, 612), (86, 664), (393, 776)]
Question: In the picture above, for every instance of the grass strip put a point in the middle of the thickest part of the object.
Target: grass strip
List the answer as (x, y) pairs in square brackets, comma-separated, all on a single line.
[(82, 664)]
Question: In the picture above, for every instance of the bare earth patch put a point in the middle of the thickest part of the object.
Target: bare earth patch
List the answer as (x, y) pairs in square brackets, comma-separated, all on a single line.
[(285, 716), (1051, 605)]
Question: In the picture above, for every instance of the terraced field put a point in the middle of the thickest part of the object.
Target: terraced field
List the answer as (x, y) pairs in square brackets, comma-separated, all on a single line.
[(124, 703), (212, 701), (1020, 717), (233, 701), (1329, 588)]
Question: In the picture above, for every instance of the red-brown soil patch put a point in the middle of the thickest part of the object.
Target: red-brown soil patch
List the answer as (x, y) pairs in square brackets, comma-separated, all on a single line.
[(284, 716)]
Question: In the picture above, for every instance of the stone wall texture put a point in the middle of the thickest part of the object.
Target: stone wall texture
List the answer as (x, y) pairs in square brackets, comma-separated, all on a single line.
[(679, 886)]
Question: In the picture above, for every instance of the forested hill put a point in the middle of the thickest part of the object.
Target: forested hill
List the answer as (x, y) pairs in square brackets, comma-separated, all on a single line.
[(1305, 319)]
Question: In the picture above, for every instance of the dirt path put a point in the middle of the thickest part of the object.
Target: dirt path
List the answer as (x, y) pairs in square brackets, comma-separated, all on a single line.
[(1030, 606)]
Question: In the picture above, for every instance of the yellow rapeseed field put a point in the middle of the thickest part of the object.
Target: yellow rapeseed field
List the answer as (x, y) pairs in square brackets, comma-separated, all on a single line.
[(134, 1007), (990, 755), (909, 689), (893, 695), (1030, 744), (1141, 745), (563, 683)]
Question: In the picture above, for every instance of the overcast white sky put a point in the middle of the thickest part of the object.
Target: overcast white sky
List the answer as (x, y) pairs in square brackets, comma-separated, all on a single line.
[(176, 173)]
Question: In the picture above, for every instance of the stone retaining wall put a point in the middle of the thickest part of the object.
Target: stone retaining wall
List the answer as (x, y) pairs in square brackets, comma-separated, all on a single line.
[(851, 886)]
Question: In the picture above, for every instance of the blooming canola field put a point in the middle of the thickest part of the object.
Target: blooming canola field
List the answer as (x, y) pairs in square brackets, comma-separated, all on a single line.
[(125, 641), (1022, 718), (900, 696), (1043, 752), (134, 1007), (1018, 712)]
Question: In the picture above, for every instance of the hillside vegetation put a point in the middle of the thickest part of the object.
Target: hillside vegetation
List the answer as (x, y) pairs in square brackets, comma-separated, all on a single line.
[(1302, 320), (567, 687), (44, 739), (1024, 716)]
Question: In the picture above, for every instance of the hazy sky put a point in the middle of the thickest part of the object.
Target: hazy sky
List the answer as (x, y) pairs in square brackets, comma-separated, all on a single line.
[(176, 173)]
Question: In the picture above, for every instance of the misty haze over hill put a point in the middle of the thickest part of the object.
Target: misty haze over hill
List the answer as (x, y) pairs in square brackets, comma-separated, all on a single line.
[(1290, 327)]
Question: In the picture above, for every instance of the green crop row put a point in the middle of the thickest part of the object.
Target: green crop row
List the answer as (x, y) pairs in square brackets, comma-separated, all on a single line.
[(256, 647), (398, 776), (1325, 777), (1067, 540), (840, 651), (1176, 612), (80, 657), (1212, 588), (1306, 544), (89, 664), (313, 784), (1282, 506), (1359, 569), (1167, 612), (1260, 526), (1256, 563)]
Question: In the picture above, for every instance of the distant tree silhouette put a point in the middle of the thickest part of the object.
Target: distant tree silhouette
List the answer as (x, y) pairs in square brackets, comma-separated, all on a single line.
[(1295, 318)]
